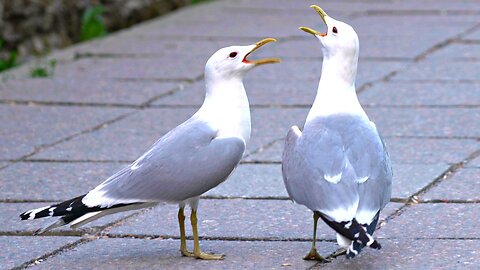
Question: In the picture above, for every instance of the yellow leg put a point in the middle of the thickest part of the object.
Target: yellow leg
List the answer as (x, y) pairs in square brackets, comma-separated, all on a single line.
[(196, 245), (183, 240), (313, 254)]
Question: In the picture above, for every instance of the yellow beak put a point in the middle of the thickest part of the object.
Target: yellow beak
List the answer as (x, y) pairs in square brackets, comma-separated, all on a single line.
[(261, 61), (322, 14)]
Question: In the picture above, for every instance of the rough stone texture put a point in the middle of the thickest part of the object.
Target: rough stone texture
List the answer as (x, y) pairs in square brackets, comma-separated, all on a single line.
[(437, 70), (35, 27), (426, 122), (431, 94), (253, 181), (52, 181), (458, 52), (11, 223), (474, 163), (452, 220), (402, 151), (21, 249), (164, 254), (77, 90), (414, 254), (463, 185), (27, 127)]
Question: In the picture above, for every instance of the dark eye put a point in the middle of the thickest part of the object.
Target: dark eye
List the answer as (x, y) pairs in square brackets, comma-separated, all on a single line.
[(334, 30), (233, 54)]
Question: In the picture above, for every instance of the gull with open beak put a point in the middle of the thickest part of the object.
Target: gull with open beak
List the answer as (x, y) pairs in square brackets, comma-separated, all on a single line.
[(338, 166), (191, 159)]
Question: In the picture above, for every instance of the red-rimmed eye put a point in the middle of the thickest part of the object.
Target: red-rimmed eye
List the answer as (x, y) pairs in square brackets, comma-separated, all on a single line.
[(233, 54), (334, 30)]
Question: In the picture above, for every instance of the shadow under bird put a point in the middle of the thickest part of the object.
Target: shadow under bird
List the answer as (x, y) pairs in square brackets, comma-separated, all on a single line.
[(191, 159), (338, 166)]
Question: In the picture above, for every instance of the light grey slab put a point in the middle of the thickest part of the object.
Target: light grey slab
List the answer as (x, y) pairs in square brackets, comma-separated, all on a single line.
[(463, 185)]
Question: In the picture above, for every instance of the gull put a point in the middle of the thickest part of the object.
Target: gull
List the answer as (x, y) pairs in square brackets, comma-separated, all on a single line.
[(191, 159), (338, 166)]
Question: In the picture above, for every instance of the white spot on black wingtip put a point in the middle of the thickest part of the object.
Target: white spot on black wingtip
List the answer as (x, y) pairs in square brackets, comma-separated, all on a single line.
[(69, 209)]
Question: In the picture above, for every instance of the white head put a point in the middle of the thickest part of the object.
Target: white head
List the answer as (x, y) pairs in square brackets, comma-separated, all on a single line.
[(340, 45), (231, 62)]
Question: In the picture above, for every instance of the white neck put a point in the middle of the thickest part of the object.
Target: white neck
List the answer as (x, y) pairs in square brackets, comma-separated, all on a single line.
[(226, 108), (336, 90)]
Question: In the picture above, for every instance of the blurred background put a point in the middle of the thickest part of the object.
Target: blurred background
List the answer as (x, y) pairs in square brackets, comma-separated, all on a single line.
[(30, 28)]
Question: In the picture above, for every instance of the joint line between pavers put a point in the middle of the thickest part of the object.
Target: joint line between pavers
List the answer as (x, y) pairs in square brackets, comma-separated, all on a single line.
[(46, 256), (414, 199)]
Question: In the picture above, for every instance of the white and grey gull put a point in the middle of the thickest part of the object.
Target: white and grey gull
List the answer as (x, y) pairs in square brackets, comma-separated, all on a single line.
[(191, 159), (338, 166)]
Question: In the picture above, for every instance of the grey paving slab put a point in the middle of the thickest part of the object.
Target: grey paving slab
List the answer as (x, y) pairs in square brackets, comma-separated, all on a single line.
[(164, 254), (253, 181), (59, 89), (21, 249), (474, 163), (133, 135), (457, 51), (52, 181), (416, 94), (443, 220), (414, 254), (440, 71), (186, 68), (427, 122), (402, 151), (124, 140), (25, 127), (475, 35), (238, 218), (11, 223), (463, 185)]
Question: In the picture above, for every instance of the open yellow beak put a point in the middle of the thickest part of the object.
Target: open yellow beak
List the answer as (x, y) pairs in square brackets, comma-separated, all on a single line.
[(322, 14), (261, 61)]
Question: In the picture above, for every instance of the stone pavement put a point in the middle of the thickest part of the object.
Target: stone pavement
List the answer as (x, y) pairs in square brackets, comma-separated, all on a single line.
[(111, 98)]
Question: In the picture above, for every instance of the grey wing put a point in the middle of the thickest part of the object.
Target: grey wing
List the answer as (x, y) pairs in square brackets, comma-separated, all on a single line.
[(185, 163), (308, 160), (375, 192), (338, 168)]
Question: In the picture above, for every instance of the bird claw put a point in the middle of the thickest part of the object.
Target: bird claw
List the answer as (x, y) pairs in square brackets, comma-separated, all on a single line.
[(187, 253), (208, 256), (314, 256)]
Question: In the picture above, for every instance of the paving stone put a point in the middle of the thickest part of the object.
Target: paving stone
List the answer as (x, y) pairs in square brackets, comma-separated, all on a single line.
[(11, 223), (475, 35), (236, 218), (135, 134), (84, 91), (402, 151), (463, 185), (187, 68), (18, 250), (474, 163), (26, 127), (440, 71), (457, 51), (414, 254), (124, 140), (52, 181), (416, 94), (164, 254), (428, 220), (253, 181), (426, 122)]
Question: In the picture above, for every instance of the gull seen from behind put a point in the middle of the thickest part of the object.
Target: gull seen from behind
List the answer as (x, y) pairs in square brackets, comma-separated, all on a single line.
[(338, 166)]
